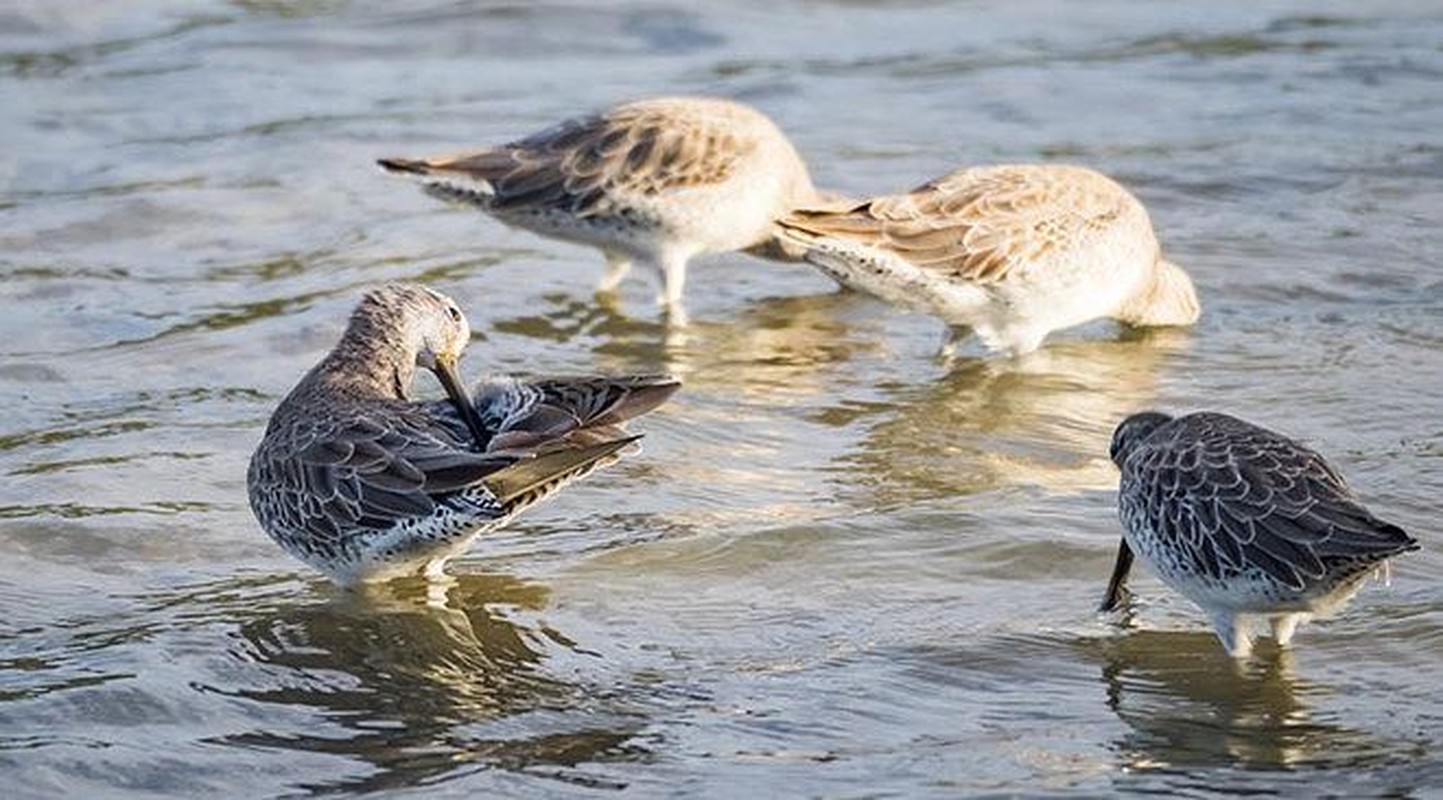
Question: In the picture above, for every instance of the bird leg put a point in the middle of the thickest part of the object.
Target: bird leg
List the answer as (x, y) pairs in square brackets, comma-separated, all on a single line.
[(1235, 631), (1285, 626), (617, 267)]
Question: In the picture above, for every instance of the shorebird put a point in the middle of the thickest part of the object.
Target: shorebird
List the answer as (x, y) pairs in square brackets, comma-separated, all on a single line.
[(1010, 253), (656, 182), (1253, 527), (363, 483)]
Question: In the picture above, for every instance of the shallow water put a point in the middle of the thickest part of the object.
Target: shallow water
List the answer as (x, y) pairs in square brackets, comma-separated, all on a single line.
[(840, 567)]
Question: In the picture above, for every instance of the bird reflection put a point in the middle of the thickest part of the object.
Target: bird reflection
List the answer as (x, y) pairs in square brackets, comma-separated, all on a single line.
[(422, 681), (777, 341), (564, 318), (1041, 420), (1188, 704)]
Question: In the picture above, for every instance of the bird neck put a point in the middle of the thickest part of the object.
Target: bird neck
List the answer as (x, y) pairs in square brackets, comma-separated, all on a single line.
[(369, 364)]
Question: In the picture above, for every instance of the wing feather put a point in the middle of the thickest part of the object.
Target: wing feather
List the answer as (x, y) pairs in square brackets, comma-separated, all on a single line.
[(373, 469), (1233, 496), (980, 224), (591, 165)]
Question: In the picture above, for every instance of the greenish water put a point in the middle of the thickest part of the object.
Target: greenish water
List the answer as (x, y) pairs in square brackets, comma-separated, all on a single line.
[(839, 568)]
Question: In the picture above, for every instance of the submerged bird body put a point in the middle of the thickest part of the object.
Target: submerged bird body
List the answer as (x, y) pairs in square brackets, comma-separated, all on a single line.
[(655, 182), (1008, 252), (1255, 528), (363, 483)]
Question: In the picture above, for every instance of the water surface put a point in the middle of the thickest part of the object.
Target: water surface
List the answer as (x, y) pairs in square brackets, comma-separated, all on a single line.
[(840, 567)]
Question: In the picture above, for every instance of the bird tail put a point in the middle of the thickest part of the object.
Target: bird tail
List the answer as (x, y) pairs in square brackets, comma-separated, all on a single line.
[(530, 480), (846, 247), (470, 178), (796, 234), (524, 412)]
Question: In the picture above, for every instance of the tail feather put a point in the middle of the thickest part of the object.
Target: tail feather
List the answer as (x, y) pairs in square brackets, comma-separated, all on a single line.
[(633, 396), (532, 479), (518, 410), (791, 237), (408, 166), (470, 180), (531, 415), (850, 221), (853, 262), (484, 165)]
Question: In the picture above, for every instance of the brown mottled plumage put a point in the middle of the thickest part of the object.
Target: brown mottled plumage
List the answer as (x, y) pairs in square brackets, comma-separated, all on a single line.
[(1010, 252), (656, 181)]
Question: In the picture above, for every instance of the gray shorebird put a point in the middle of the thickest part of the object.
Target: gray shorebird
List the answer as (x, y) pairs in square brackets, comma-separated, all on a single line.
[(363, 483), (1010, 253), (1253, 527), (655, 182)]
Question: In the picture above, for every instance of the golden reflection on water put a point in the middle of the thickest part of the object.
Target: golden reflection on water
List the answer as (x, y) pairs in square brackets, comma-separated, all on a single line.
[(771, 343), (749, 383), (1043, 420), (420, 678)]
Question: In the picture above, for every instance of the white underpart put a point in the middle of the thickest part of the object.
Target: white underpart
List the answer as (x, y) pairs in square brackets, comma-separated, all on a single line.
[(1011, 316), (1240, 608)]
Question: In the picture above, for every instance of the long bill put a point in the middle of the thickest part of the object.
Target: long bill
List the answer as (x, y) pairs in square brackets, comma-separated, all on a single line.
[(451, 381), (1117, 584)]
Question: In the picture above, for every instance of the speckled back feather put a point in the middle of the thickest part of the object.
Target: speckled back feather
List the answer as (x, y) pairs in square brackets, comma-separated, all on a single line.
[(359, 481), (1230, 496), (983, 224), (600, 164)]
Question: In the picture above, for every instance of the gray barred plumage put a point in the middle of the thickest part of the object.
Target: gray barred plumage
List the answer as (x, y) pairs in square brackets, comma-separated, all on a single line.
[(363, 483), (1250, 525)]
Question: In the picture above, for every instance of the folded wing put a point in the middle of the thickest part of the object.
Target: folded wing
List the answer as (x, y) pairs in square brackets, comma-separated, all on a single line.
[(372, 470), (1237, 496), (591, 165), (980, 224)]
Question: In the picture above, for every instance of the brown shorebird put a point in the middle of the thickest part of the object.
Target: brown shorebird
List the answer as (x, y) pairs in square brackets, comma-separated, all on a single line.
[(657, 181), (1010, 253), (363, 483), (1252, 526)]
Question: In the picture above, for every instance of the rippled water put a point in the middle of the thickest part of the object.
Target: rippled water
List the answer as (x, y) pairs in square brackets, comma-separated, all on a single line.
[(840, 567)]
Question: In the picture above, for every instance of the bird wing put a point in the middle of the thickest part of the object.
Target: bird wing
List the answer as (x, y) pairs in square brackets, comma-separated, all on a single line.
[(532, 479), (1236, 496), (524, 411), (980, 224), (373, 470), (557, 428), (589, 165)]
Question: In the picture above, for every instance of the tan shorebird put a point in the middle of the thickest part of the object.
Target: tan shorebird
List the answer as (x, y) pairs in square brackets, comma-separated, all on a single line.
[(363, 483), (655, 182), (1010, 253), (1255, 528)]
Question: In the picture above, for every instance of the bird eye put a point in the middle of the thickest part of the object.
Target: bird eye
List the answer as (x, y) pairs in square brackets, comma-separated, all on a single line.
[(455, 313)]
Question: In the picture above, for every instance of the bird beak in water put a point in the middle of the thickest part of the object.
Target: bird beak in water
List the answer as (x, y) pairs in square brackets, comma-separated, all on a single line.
[(1117, 585), (446, 373)]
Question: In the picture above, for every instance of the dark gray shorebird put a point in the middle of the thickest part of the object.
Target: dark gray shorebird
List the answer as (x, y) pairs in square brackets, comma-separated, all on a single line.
[(1250, 525), (363, 483)]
